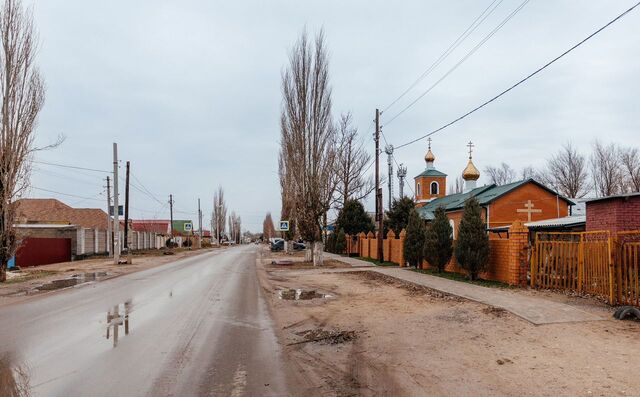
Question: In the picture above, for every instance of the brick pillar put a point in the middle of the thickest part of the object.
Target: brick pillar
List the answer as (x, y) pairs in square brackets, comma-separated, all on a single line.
[(96, 248), (388, 245), (518, 253), (80, 241), (403, 236)]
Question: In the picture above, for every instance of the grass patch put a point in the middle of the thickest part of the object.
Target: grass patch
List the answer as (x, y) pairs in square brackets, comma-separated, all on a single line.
[(375, 262), (463, 277), (32, 275)]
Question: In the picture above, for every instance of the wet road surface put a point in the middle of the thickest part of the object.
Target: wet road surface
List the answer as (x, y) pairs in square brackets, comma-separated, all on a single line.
[(195, 327)]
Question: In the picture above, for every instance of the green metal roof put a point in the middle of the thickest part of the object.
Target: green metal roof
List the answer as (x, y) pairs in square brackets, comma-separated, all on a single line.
[(484, 195), (431, 172)]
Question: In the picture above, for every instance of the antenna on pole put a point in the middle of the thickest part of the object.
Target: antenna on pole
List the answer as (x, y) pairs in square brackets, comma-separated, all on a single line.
[(389, 150), (402, 173)]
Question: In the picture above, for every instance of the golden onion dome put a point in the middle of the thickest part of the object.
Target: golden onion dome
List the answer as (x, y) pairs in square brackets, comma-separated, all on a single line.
[(429, 157), (470, 173)]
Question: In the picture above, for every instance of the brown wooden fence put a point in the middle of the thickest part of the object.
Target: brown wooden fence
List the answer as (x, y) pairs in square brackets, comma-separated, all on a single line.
[(590, 262), (627, 257)]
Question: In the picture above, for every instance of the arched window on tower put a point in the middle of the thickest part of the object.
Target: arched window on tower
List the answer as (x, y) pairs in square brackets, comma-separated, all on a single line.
[(435, 188), (418, 191)]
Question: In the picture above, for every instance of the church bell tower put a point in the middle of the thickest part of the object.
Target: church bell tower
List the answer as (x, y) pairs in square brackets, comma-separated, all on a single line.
[(431, 183)]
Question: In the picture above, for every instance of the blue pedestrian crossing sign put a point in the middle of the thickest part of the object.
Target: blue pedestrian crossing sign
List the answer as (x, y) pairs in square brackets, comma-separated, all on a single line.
[(284, 226), (188, 226)]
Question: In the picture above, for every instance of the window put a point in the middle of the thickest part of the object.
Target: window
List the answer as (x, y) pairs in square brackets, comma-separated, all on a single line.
[(418, 192), (434, 188), (453, 228)]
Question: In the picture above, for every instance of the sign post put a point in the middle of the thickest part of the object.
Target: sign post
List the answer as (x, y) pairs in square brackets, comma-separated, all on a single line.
[(188, 227)]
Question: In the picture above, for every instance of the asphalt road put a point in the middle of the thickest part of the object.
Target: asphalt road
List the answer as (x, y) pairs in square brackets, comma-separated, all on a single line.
[(196, 327)]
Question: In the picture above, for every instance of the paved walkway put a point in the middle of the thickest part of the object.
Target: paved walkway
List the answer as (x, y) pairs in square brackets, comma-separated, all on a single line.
[(354, 262), (533, 309)]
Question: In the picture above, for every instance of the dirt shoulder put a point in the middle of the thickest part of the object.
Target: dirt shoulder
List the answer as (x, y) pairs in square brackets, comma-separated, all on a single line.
[(367, 334), (24, 284)]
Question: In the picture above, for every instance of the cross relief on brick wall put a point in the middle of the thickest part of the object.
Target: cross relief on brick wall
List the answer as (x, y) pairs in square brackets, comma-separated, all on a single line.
[(529, 210)]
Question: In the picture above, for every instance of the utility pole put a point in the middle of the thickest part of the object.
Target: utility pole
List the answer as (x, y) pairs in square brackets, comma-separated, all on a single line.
[(109, 226), (116, 212), (171, 212), (199, 225), (379, 216), (402, 173), (389, 150), (126, 216)]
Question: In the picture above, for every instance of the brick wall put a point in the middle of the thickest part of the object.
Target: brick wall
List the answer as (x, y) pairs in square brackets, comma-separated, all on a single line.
[(615, 214), (508, 260)]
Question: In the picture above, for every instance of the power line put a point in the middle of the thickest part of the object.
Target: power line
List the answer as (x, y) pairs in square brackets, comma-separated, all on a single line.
[(72, 166), (66, 194), (474, 25), (521, 81), (461, 61)]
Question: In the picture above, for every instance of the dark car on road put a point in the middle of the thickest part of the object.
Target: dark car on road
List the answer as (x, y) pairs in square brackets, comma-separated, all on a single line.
[(277, 245)]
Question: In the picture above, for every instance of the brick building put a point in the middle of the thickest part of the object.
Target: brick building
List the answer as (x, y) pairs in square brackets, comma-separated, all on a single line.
[(525, 201), (614, 213)]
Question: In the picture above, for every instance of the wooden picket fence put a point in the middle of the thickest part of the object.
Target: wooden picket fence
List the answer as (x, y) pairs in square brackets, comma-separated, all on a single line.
[(588, 262), (627, 257)]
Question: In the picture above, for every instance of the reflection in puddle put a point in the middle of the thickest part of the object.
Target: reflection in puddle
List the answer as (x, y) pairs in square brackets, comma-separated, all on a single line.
[(115, 320), (300, 294), (70, 282), (14, 380)]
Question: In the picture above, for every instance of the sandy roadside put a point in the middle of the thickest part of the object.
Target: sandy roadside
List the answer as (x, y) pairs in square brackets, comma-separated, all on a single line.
[(22, 285), (413, 341)]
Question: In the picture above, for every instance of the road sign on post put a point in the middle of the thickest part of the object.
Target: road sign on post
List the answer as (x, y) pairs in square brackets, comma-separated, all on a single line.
[(284, 226), (188, 226)]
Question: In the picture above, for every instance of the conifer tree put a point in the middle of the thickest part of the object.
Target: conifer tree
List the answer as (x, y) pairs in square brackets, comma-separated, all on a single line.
[(341, 242), (438, 246), (472, 249), (414, 242)]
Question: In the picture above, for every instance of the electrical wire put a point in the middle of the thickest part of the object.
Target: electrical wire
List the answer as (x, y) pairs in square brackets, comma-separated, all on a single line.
[(460, 62), (71, 166), (456, 43), (65, 194), (521, 81)]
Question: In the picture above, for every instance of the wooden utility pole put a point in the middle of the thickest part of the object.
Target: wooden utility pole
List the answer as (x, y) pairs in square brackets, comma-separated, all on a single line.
[(116, 212), (126, 216), (199, 225), (109, 226), (379, 207), (171, 214)]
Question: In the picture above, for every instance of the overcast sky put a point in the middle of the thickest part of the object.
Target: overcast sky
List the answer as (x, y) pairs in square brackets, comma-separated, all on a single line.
[(190, 90)]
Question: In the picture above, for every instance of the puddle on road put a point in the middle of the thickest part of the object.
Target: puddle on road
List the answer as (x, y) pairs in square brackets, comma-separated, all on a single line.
[(74, 280), (117, 317), (301, 294)]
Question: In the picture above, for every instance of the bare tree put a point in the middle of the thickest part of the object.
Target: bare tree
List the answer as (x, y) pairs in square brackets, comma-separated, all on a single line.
[(528, 172), (287, 211), (630, 160), (23, 93), (268, 230), (606, 169), (353, 184), (457, 186), (501, 175), (235, 227), (567, 172), (219, 214), (308, 138)]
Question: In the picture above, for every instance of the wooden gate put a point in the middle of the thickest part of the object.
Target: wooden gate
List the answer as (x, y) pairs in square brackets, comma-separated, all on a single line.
[(574, 261), (626, 260)]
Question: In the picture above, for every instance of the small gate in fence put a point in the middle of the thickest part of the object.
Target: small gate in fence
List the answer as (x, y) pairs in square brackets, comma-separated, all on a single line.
[(591, 262)]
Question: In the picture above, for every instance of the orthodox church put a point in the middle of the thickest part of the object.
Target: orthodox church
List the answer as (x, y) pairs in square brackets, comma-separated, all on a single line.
[(526, 200)]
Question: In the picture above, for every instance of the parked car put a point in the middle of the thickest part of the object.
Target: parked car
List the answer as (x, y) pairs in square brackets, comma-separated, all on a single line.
[(277, 245), (298, 246)]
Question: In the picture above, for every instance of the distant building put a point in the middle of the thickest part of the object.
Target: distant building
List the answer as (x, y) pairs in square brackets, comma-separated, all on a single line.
[(52, 211)]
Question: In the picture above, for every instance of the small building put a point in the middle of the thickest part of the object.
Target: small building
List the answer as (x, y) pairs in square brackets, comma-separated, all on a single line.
[(615, 213)]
